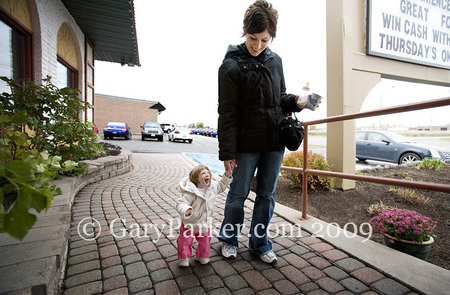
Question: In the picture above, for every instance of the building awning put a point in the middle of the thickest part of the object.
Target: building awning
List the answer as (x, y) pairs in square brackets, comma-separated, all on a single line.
[(110, 26), (158, 107)]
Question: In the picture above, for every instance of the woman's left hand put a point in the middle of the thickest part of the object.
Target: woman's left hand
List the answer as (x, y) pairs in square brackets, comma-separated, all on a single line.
[(229, 166)]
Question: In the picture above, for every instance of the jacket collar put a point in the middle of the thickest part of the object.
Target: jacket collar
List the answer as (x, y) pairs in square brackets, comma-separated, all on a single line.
[(186, 185), (241, 54)]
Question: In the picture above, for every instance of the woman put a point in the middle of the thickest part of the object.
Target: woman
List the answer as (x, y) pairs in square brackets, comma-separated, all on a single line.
[(252, 103)]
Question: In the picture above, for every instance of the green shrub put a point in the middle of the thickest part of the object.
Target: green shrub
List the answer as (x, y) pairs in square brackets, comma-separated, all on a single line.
[(51, 119), (40, 138), (377, 208), (404, 175), (432, 164), (109, 150), (24, 179), (362, 172), (411, 196), (316, 162)]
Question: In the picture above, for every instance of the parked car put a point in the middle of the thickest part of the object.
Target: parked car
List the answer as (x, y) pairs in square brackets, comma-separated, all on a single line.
[(117, 129), (204, 131), (167, 128), (212, 132), (152, 130), (179, 133), (393, 147)]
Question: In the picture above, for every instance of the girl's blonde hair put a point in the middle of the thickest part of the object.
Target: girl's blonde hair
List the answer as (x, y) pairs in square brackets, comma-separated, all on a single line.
[(193, 175)]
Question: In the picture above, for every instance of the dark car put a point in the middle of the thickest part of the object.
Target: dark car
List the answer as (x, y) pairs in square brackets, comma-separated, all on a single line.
[(392, 147), (152, 130), (117, 129)]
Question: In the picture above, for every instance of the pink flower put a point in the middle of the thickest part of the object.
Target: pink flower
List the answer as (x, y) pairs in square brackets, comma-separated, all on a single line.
[(404, 224)]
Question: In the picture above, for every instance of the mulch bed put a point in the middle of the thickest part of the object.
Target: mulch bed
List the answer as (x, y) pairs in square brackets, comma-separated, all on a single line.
[(347, 206)]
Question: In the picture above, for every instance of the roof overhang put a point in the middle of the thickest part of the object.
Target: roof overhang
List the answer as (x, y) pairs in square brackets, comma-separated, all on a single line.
[(110, 26), (158, 107)]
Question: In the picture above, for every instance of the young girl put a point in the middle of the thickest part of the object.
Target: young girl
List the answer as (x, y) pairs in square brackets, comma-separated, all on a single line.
[(196, 207)]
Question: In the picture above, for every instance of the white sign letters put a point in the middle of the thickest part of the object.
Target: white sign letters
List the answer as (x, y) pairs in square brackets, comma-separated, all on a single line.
[(416, 31)]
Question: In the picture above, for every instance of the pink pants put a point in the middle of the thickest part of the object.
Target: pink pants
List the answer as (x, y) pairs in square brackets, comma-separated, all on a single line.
[(185, 240)]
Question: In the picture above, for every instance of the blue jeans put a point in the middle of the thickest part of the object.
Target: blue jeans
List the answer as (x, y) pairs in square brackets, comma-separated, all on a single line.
[(268, 165)]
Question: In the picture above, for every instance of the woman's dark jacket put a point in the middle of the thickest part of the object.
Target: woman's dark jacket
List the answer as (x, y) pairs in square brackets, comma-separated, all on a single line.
[(252, 102)]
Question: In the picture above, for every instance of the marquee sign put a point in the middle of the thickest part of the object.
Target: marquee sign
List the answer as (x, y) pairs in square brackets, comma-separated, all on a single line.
[(416, 31)]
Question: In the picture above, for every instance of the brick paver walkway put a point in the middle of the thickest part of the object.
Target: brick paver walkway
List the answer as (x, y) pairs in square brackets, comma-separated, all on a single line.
[(134, 250)]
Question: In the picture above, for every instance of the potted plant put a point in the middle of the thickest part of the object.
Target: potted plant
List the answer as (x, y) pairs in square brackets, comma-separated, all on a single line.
[(406, 231)]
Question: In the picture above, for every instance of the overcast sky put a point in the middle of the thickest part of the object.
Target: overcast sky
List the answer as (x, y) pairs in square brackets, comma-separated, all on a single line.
[(182, 44)]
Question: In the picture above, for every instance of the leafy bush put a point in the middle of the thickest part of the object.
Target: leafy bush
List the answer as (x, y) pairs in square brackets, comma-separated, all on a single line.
[(378, 208), (24, 178), (404, 175), (315, 161), (40, 138), (51, 119), (432, 164), (109, 150), (411, 196)]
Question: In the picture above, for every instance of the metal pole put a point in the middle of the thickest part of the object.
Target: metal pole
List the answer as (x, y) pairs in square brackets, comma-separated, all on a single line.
[(305, 175)]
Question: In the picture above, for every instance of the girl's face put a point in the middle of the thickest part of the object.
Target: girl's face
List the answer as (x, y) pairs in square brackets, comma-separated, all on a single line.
[(256, 43), (204, 179)]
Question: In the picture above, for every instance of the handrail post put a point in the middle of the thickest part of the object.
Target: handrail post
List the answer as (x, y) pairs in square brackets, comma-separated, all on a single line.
[(304, 174)]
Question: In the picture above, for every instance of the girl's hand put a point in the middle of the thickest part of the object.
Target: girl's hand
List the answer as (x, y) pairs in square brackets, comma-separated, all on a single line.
[(188, 212), (229, 166)]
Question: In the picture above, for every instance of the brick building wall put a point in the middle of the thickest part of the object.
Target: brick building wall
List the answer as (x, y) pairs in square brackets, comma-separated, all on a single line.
[(135, 112)]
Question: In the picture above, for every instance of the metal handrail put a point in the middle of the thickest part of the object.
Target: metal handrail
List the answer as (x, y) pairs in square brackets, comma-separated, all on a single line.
[(382, 180)]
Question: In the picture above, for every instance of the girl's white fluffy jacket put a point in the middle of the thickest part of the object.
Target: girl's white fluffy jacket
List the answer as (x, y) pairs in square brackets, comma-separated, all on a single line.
[(202, 206)]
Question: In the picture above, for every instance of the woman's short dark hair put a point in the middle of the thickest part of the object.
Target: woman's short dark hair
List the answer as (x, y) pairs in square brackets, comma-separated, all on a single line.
[(259, 17)]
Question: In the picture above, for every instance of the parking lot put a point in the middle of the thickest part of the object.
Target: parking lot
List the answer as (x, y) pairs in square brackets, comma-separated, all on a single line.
[(204, 149)]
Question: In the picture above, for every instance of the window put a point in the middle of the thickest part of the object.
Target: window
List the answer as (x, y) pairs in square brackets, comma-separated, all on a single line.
[(66, 75), (376, 137), (15, 51), (90, 52), (360, 135)]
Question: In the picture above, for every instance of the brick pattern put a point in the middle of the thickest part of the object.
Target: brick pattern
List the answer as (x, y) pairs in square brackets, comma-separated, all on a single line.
[(144, 261)]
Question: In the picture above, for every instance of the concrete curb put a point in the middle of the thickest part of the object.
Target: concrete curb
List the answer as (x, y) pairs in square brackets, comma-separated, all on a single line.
[(36, 265)]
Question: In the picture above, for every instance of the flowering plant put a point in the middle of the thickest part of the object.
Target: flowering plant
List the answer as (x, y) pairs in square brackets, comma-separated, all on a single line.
[(404, 225)]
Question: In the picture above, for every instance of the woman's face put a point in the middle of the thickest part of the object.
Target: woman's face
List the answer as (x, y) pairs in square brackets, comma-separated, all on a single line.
[(256, 43), (204, 179)]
